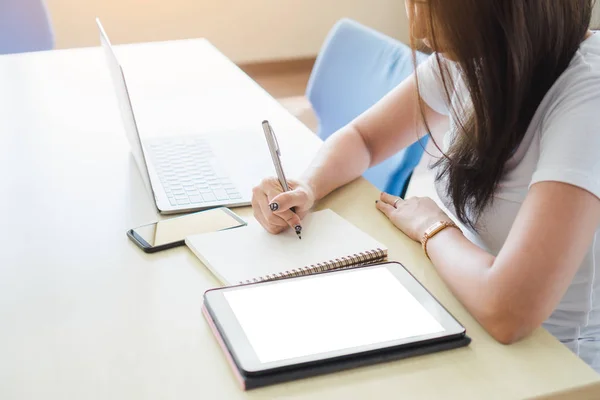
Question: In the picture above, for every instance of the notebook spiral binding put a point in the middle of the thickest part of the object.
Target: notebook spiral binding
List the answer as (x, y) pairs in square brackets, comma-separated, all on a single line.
[(355, 260)]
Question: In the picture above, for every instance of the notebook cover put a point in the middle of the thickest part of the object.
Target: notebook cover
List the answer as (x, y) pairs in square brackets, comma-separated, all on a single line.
[(260, 256), (247, 382)]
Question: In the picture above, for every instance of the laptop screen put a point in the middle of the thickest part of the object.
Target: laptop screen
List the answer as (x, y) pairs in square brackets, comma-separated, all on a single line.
[(127, 115)]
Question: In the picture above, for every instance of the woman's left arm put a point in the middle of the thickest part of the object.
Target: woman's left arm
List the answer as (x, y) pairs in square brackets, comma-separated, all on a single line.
[(513, 293)]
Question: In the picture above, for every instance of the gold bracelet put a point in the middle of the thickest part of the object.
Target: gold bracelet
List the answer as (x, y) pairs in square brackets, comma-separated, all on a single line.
[(434, 230)]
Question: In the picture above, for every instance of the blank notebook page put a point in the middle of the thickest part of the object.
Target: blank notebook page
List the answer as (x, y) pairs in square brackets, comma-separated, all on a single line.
[(247, 253)]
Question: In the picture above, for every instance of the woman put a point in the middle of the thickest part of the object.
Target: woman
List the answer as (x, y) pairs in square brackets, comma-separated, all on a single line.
[(518, 84)]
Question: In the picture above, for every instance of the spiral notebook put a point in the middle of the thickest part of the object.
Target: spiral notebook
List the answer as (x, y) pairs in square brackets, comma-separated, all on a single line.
[(250, 254)]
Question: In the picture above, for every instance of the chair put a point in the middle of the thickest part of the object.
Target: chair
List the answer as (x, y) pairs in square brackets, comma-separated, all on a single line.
[(24, 26), (355, 68)]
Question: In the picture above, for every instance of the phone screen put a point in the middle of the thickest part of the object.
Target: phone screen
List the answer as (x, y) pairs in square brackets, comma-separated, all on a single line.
[(177, 229)]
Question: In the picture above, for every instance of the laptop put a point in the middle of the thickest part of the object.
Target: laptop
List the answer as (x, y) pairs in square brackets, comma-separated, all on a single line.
[(187, 173)]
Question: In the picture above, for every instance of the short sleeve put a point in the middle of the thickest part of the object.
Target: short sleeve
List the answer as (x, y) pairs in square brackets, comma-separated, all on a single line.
[(431, 87), (570, 137)]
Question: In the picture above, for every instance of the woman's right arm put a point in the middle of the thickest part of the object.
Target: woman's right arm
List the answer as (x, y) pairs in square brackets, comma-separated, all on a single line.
[(389, 126)]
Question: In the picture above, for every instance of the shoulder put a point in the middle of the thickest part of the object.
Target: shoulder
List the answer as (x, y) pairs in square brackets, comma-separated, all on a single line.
[(578, 88), (437, 78), (570, 128)]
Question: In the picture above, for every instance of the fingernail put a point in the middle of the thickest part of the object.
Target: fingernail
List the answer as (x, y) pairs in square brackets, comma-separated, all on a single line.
[(376, 201), (298, 228), (274, 206)]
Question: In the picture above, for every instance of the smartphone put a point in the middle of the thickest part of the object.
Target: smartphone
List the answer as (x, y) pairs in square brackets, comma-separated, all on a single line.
[(169, 233)]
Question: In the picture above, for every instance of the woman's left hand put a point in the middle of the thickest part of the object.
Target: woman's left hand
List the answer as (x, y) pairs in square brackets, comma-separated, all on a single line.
[(412, 216)]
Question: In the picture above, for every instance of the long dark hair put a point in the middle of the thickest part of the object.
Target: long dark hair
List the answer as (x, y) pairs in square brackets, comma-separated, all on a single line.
[(509, 53)]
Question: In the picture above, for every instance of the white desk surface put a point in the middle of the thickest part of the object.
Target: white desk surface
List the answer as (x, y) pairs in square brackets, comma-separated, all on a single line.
[(84, 314)]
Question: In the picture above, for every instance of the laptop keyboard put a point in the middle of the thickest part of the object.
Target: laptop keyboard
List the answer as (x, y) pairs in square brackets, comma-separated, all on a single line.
[(189, 172)]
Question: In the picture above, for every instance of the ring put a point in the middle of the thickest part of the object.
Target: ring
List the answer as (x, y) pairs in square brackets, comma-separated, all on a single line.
[(396, 202)]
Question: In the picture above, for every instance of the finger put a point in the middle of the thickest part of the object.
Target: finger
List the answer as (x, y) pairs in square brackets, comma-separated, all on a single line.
[(389, 199), (385, 208), (284, 201), (292, 219), (268, 227), (271, 188), (269, 217), (281, 206), (258, 215), (260, 200)]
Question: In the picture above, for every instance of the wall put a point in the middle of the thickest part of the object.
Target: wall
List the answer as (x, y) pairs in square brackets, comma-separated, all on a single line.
[(596, 16), (245, 30)]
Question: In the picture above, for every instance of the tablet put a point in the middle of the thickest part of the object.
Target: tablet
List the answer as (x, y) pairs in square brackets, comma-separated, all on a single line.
[(293, 322)]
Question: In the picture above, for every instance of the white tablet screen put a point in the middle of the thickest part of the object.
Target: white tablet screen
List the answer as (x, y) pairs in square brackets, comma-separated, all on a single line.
[(302, 317)]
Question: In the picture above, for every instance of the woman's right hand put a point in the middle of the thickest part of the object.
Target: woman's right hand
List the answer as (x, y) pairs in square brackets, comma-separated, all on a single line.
[(271, 205)]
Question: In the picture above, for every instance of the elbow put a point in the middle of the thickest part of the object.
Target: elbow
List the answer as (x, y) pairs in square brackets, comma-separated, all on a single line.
[(507, 326), (507, 335)]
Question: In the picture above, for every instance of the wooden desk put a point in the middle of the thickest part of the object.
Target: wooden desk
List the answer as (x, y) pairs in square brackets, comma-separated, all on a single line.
[(84, 314)]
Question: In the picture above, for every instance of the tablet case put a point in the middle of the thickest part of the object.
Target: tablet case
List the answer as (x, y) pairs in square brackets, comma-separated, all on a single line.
[(248, 382)]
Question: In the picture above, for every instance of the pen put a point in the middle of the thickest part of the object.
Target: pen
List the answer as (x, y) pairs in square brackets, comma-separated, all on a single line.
[(275, 156)]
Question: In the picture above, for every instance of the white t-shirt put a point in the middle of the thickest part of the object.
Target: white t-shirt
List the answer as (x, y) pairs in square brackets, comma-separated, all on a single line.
[(561, 144)]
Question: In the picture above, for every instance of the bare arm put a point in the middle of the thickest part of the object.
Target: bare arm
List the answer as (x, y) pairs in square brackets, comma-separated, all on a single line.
[(389, 126), (392, 124), (513, 293)]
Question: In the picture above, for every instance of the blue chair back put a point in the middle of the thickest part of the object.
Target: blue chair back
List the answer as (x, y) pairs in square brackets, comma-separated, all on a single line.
[(24, 26), (355, 68)]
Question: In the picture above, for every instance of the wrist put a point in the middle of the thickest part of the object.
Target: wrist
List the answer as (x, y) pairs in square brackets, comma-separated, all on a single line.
[(308, 188), (433, 230), (428, 222)]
